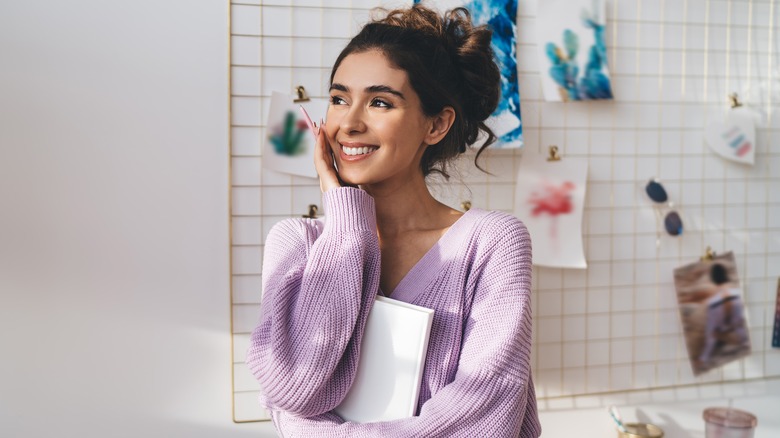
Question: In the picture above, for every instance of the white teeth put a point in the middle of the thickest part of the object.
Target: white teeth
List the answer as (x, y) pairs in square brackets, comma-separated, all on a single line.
[(358, 151)]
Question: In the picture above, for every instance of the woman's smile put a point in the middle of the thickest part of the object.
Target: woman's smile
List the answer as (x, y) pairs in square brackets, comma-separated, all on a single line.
[(352, 151)]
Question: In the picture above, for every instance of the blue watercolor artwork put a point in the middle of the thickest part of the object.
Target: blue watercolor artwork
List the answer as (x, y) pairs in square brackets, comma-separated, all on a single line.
[(501, 17), (573, 53)]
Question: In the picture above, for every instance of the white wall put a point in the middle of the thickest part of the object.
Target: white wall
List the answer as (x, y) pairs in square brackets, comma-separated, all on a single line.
[(114, 303)]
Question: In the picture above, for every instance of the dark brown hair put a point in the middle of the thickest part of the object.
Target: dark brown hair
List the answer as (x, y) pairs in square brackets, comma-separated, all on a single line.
[(718, 274), (449, 62)]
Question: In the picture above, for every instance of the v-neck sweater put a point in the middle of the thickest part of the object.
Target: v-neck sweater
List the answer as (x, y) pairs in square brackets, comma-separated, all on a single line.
[(320, 279)]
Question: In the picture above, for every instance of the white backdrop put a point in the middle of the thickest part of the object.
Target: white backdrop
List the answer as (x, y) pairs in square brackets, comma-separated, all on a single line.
[(114, 301)]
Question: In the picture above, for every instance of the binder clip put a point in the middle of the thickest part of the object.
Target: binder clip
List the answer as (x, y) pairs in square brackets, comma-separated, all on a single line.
[(301, 93), (554, 155), (709, 255), (313, 209), (734, 100)]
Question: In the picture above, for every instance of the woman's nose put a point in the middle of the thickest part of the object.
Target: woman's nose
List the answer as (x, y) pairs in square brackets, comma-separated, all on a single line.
[(353, 120)]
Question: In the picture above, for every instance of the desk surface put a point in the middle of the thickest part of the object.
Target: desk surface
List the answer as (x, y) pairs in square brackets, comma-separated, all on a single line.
[(678, 419)]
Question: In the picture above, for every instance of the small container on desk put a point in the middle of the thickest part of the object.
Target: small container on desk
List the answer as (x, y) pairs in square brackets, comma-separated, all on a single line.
[(641, 430), (728, 423)]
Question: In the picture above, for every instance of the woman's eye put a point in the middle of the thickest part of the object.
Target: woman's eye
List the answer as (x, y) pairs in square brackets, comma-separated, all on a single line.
[(380, 103), (335, 100)]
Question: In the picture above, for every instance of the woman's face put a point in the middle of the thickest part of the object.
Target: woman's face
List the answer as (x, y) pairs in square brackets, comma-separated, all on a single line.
[(376, 127)]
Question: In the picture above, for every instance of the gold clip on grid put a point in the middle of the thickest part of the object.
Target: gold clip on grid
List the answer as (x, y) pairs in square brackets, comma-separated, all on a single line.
[(313, 209), (301, 93), (709, 255), (554, 155)]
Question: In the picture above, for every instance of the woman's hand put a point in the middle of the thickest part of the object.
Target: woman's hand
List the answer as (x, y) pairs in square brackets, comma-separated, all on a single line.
[(323, 161)]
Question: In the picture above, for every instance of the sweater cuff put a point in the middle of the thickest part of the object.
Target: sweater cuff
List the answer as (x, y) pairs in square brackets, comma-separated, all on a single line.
[(349, 209)]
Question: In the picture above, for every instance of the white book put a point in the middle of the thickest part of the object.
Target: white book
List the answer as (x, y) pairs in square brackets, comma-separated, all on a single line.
[(392, 357)]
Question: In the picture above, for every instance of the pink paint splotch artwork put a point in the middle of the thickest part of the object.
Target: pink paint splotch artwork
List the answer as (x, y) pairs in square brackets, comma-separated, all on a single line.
[(549, 200), (553, 199)]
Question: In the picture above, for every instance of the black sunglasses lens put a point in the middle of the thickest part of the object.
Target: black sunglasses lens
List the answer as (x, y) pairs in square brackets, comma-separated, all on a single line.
[(673, 224), (656, 191)]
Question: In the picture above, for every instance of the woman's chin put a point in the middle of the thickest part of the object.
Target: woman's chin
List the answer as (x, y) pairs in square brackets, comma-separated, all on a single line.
[(352, 180)]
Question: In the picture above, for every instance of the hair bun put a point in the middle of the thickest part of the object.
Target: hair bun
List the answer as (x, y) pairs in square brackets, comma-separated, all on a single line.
[(472, 52)]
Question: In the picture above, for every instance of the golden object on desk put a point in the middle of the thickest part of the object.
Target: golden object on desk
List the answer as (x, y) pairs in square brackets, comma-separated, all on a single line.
[(641, 430)]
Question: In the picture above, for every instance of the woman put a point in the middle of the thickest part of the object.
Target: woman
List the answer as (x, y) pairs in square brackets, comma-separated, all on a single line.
[(725, 331), (408, 94)]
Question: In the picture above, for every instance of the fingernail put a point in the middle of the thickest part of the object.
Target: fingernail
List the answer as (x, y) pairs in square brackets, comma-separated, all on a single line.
[(306, 117)]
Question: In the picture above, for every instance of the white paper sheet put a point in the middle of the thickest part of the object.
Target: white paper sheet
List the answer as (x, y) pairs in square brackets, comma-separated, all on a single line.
[(289, 145), (549, 199), (572, 50)]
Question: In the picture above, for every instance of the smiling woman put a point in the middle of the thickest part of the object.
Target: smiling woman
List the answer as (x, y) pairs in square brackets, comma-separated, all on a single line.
[(408, 94), (378, 130)]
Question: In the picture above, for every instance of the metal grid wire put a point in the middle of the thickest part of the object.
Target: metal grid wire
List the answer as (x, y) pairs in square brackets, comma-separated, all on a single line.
[(611, 331)]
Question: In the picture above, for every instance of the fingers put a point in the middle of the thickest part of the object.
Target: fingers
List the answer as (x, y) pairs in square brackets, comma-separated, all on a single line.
[(323, 161), (320, 149)]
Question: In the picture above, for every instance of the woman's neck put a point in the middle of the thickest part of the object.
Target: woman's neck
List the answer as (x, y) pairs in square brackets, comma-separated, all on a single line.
[(408, 207)]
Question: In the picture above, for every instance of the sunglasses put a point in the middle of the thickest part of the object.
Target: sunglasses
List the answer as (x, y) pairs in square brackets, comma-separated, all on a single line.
[(672, 220)]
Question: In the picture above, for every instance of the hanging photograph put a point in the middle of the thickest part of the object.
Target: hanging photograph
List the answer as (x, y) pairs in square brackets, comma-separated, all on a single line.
[(572, 50), (289, 144), (549, 199), (712, 312), (501, 17), (776, 327)]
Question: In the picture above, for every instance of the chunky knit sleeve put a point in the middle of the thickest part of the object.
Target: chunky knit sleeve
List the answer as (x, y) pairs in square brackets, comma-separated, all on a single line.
[(318, 285), (492, 393)]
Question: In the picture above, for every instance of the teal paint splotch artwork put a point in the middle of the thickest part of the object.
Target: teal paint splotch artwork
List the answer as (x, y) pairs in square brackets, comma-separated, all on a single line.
[(501, 17), (287, 137), (573, 52)]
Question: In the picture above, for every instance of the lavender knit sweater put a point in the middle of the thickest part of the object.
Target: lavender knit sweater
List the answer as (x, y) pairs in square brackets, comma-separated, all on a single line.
[(320, 279)]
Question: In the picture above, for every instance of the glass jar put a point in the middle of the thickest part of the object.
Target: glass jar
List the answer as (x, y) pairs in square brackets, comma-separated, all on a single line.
[(728, 423)]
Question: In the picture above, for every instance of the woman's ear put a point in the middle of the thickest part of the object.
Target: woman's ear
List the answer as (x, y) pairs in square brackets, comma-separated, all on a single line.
[(440, 125)]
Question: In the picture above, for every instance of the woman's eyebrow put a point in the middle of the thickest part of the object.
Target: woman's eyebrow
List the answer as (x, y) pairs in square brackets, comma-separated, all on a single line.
[(370, 89), (384, 89), (339, 87)]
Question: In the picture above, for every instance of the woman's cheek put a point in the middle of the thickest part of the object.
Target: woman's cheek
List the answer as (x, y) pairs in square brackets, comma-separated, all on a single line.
[(331, 120)]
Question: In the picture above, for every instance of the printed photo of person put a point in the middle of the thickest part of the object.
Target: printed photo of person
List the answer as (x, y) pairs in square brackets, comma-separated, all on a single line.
[(776, 329), (712, 312)]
